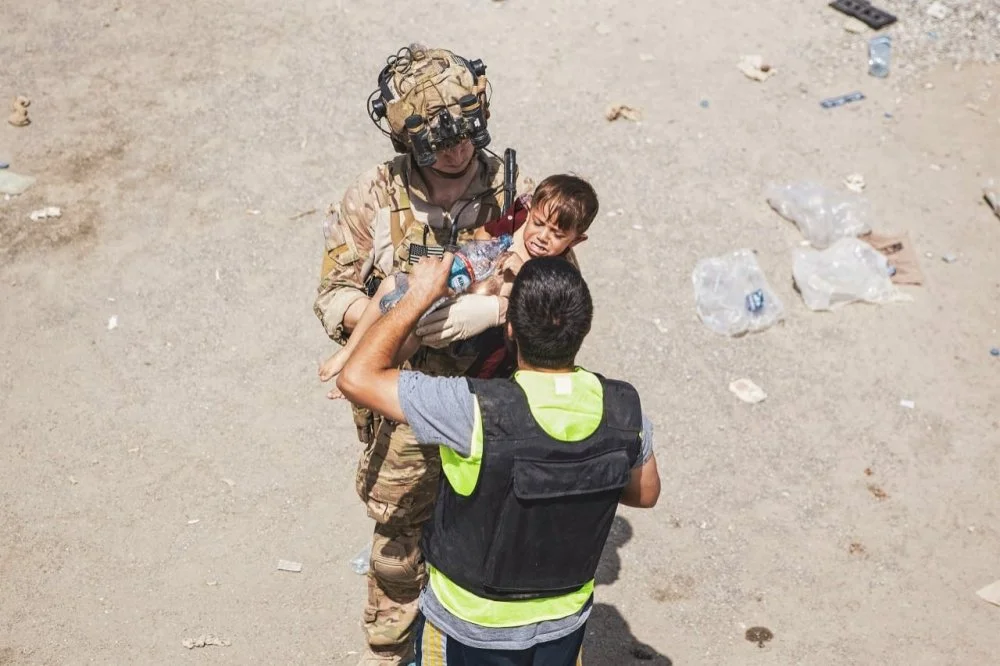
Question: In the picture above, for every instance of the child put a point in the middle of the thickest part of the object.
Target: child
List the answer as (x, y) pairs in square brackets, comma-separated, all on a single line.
[(556, 219)]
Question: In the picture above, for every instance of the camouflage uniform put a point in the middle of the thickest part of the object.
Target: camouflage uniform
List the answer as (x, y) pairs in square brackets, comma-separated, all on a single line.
[(381, 215)]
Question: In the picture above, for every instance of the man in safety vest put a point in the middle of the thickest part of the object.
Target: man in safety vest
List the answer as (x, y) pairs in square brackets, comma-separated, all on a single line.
[(444, 184), (534, 469)]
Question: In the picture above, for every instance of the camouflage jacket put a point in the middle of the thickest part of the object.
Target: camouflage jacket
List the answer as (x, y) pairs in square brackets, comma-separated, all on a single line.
[(382, 213)]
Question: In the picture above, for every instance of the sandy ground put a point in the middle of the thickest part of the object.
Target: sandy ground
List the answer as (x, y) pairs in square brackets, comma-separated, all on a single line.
[(151, 476)]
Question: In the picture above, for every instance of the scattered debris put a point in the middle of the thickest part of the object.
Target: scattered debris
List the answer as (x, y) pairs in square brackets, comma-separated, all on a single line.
[(934, 167), (212, 583), (304, 213), (754, 67), (907, 404), (617, 111), (228, 482), (19, 112), (747, 391), (991, 593), (879, 56), (759, 635), (194, 521), (112, 322), (938, 11), (660, 326), (972, 107), (995, 351), (949, 258), (840, 100), (868, 471), (13, 183), (646, 57), (253, 211), (359, 563), (602, 29), (902, 256), (873, 17), (288, 565), (732, 295), (824, 216), (703, 103), (72, 480), (850, 270), (45, 213), (877, 492), (855, 183), (992, 198), (856, 548), (4, 165), (205, 641)]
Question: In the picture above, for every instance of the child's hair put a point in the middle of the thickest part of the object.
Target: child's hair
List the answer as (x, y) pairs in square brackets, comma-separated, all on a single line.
[(571, 201)]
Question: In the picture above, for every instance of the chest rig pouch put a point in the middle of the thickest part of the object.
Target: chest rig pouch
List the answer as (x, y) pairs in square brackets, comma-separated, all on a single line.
[(542, 509)]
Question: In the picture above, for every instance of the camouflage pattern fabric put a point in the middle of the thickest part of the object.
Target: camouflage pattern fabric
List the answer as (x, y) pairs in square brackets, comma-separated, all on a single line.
[(396, 478)]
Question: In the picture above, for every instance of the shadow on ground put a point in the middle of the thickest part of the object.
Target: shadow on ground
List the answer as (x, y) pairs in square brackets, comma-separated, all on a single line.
[(610, 641)]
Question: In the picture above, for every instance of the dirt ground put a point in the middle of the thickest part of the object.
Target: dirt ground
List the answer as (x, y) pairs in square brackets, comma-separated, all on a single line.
[(152, 476)]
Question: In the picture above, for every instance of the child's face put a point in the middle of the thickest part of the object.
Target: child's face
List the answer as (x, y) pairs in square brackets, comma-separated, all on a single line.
[(544, 238)]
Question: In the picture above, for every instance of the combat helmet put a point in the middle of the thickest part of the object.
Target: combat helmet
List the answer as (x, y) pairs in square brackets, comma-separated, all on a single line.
[(431, 99)]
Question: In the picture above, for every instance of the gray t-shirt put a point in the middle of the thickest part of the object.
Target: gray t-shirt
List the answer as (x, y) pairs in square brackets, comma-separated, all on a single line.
[(441, 412)]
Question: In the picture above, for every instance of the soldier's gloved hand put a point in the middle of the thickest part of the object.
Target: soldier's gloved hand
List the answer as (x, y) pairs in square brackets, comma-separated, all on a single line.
[(460, 318)]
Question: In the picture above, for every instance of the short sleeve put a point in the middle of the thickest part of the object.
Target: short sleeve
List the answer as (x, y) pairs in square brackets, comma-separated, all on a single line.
[(646, 444), (440, 410)]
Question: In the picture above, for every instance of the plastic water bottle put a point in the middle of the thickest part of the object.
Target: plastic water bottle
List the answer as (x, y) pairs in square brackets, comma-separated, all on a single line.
[(473, 262), (879, 55)]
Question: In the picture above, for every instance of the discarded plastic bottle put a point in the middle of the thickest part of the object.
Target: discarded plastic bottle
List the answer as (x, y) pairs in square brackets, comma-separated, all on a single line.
[(841, 100), (879, 55), (473, 262)]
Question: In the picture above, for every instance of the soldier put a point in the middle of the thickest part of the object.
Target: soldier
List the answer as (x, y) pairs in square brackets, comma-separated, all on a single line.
[(441, 187)]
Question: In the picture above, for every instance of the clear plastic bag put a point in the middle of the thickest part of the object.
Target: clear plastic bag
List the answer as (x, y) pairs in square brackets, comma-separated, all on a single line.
[(822, 215), (359, 563), (732, 295), (851, 270)]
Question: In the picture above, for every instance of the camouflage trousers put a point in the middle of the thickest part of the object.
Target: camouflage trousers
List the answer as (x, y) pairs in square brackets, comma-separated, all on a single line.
[(398, 481)]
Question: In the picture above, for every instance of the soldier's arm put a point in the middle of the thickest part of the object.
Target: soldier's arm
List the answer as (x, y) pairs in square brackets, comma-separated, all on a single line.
[(341, 298)]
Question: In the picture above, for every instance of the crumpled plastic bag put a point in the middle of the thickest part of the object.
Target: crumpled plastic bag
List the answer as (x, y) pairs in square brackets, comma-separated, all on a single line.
[(848, 271), (732, 295), (822, 215)]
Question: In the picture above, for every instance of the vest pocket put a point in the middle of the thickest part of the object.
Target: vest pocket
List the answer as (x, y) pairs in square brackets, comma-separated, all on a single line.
[(555, 520)]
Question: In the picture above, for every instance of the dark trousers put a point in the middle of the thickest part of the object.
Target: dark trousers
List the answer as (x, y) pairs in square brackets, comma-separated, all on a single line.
[(435, 648)]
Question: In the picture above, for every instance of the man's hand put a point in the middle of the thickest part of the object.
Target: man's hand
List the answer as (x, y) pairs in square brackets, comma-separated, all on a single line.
[(463, 317), (429, 279)]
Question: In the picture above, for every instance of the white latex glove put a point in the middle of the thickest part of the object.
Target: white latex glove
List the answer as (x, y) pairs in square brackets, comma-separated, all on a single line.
[(460, 318)]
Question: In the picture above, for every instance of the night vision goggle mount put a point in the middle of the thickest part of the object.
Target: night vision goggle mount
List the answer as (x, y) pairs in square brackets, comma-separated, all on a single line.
[(441, 130)]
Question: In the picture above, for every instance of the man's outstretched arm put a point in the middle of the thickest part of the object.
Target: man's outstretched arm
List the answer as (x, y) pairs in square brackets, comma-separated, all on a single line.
[(370, 378)]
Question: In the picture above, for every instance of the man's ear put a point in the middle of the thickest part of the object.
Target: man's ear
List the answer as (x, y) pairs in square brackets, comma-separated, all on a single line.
[(510, 331), (579, 239)]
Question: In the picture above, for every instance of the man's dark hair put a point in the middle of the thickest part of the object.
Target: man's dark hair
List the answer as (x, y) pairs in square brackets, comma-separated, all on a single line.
[(550, 310)]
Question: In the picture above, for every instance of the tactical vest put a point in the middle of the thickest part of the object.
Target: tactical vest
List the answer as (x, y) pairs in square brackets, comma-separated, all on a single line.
[(406, 232), (536, 523)]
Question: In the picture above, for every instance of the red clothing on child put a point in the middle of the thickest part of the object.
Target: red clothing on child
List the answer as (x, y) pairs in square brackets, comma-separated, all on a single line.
[(494, 360)]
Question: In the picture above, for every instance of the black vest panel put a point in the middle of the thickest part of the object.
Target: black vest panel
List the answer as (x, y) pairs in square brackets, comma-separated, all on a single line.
[(537, 521)]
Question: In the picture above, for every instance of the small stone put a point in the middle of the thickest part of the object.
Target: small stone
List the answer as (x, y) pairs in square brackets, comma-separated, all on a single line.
[(949, 258), (855, 27), (646, 57), (929, 86), (938, 11), (855, 183), (747, 391), (908, 404), (995, 351), (602, 29), (703, 103), (4, 165), (112, 322)]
